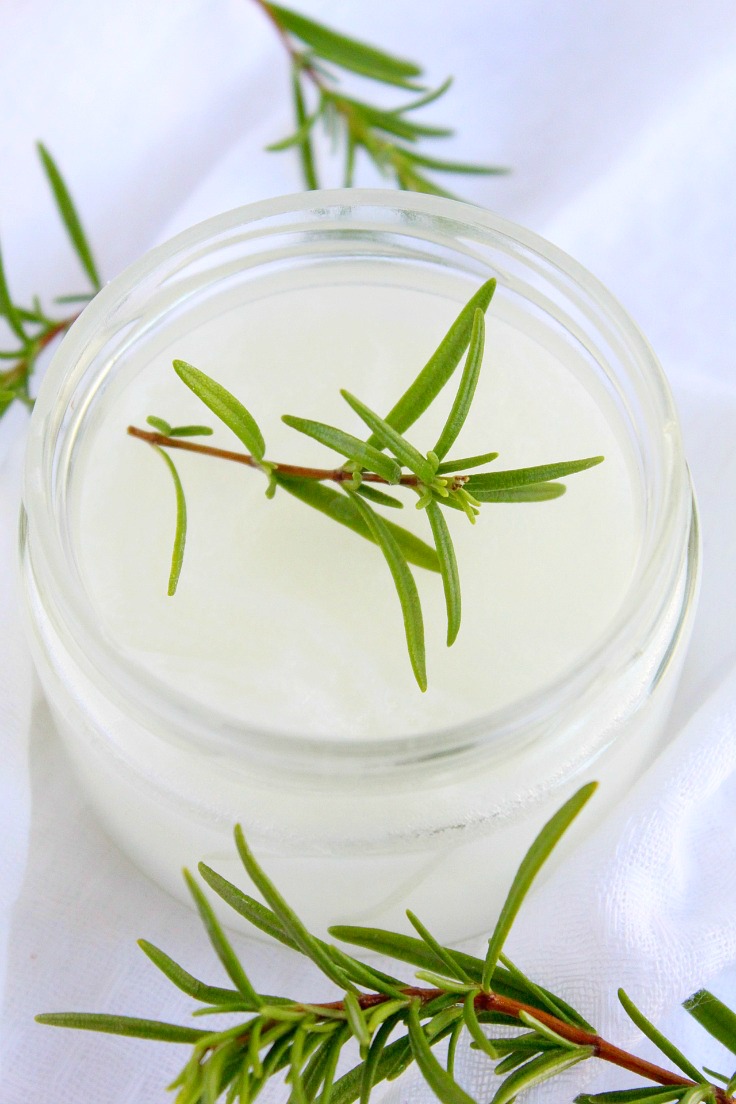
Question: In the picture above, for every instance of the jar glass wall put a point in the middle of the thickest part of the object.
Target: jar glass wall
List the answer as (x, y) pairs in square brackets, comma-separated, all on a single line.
[(274, 690)]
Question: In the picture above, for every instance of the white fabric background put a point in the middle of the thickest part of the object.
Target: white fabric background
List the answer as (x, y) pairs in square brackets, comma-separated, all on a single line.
[(619, 120)]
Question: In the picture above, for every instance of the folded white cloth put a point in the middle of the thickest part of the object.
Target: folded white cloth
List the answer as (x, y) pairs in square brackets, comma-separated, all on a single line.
[(619, 121)]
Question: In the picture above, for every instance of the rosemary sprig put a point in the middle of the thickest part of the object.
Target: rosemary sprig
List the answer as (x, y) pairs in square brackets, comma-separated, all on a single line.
[(388, 458), (388, 137), (396, 1022), (32, 329)]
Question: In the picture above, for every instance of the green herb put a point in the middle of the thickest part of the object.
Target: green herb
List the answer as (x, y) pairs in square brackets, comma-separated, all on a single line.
[(396, 1022), (388, 137), (387, 458), (32, 328)]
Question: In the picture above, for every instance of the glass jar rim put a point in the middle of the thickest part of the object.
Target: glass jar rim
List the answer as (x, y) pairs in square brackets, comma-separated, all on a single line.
[(494, 730)]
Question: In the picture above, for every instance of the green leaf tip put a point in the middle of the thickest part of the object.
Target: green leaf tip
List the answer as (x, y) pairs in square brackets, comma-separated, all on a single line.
[(224, 406), (69, 216), (530, 866), (441, 365)]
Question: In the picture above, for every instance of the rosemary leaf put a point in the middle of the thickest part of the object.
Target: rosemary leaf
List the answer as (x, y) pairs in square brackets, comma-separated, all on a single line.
[(406, 588), (647, 1094), (221, 944), (521, 477), (191, 431), (455, 166), (304, 139), (475, 1030), (466, 390), (534, 492), (347, 445), (69, 216), (440, 366), (538, 1070), (348, 53), (340, 508), (405, 948), (544, 1000), (8, 310), (448, 568), (716, 1017), (251, 910), (466, 462), (655, 1036), (528, 870), (180, 533), (123, 1025), (182, 979), (159, 424), (224, 406), (444, 1087), (373, 1058), (447, 957), (379, 497), (427, 97), (288, 919), (388, 437)]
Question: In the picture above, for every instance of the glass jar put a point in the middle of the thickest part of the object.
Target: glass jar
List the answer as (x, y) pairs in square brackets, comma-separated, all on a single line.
[(355, 830)]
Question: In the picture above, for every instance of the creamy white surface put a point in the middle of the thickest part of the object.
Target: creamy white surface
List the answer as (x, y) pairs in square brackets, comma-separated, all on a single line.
[(291, 622)]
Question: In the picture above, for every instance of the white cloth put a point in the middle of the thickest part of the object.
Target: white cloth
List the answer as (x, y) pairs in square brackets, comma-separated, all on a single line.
[(618, 119)]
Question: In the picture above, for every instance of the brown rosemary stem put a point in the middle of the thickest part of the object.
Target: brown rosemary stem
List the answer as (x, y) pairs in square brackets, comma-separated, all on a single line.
[(334, 475), (607, 1052)]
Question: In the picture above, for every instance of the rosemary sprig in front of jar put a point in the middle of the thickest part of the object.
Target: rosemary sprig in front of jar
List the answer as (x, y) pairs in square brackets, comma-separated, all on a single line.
[(350, 494), (393, 1021)]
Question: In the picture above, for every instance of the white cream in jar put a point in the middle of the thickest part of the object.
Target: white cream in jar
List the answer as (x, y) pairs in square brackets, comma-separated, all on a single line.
[(274, 689)]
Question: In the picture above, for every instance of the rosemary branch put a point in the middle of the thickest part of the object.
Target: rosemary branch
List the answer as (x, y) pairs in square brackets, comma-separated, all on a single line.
[(395, 1023), (387, 457)]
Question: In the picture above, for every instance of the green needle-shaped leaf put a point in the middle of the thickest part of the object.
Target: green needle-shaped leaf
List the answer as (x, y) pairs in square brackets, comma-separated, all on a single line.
[(405, 948), (534, 492), (450, 960), (356, 1020), (646, 1094), (543, 999), (388, 437), (538, 1070), (246, 906), (715, 1016), (341, 509), (8, 310), (191, 431), (286, 916), (466, 462), (159, 424), (448, 568), (377, 1047), (466, 390), (406, 588), (182, 979), (347, 445), (476, 1032), (348, 53), (532, 862), (444, 1087), (69, 216), (373, 495), (455, 166), (440, 366), (655, 1036), (224, 406), (304, 140), (123, 1025), (521, 477), (221, 944), (180, 533)]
